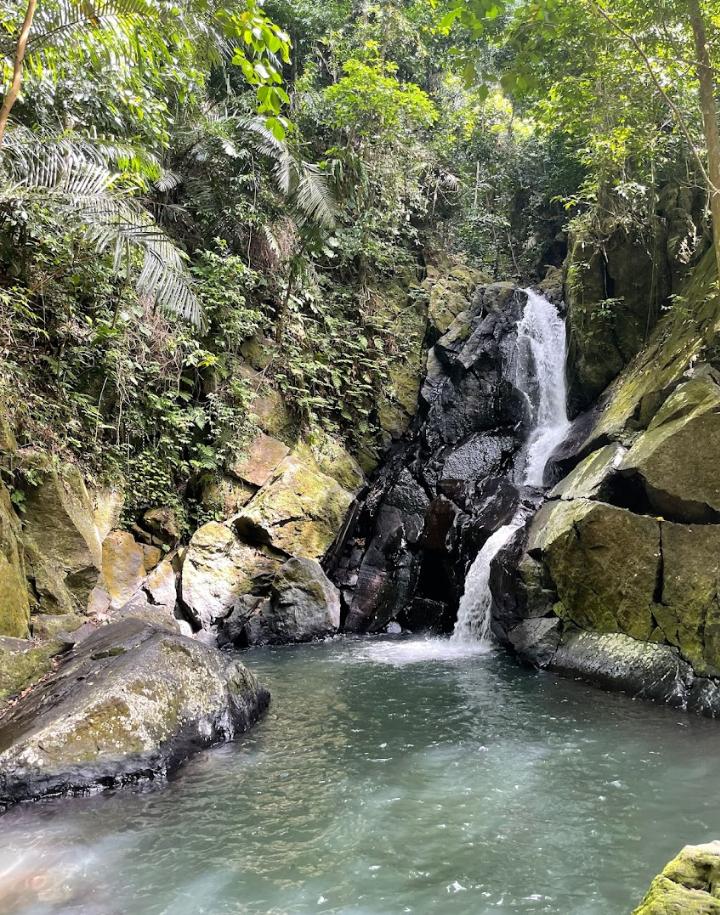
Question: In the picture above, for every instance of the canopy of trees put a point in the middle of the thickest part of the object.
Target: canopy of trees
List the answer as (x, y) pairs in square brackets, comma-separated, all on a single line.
[(178, 178)]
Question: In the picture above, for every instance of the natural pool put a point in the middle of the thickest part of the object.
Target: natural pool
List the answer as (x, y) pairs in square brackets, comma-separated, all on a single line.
[(389, 776)]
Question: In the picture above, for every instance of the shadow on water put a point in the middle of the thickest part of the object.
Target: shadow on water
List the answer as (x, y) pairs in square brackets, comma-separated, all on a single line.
[(389, 776)]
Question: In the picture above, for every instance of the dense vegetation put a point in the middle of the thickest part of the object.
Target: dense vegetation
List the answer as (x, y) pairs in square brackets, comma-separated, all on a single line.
[(184, 184)]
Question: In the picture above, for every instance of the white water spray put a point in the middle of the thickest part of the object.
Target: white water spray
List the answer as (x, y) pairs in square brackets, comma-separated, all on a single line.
[(540, 374)]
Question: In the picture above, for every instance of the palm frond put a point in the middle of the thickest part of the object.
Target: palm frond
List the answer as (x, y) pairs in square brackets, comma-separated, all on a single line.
[(313, 196), (74, 177)]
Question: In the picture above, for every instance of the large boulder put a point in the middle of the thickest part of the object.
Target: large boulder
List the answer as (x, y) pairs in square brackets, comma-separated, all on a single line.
[(299, 512), (613, 570), (614, 661), (123, 567), (130, 702), (688, 885), (676, 458), (219, 568), (303, 604), (440, 494), (688, 594), (604, 563), (450, 287)]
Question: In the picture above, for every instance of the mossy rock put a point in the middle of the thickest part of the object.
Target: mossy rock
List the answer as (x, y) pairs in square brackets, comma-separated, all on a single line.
[(614, 292), (689, 884), (62, 536), (677, 457), (407, 319), (450, 288), (298, 513), (23, 663), (604, 563), (130, 702), (678, 342), (218, 568), (688, 605), (592, 477), (14, 595), (332, 458)]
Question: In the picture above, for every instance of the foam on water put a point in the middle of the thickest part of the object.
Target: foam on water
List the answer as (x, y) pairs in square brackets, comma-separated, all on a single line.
[(401, 652)]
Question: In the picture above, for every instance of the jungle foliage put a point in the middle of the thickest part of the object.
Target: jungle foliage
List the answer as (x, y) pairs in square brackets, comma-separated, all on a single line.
[(178, 180)]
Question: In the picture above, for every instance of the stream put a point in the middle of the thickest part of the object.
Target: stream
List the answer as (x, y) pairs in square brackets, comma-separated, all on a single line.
[(416, 775)]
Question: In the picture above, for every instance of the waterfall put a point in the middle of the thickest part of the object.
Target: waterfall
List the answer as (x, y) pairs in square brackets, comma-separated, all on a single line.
[(540, 375), (474, 612)]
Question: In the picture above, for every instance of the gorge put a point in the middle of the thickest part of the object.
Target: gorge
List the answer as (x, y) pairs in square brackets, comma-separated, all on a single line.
[(359, 449)]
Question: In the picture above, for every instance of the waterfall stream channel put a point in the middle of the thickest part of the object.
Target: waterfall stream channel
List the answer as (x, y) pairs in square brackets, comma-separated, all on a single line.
[(395, 774)]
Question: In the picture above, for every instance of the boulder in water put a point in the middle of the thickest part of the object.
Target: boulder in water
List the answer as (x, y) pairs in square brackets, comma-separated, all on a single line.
[(615, 661), (130, 702)]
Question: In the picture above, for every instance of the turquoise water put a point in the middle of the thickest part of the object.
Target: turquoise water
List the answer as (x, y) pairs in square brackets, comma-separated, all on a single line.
[(389, 776)]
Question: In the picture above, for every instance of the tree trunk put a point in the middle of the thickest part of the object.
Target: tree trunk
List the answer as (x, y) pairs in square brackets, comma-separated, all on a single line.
[(708, 106), (16, 83)]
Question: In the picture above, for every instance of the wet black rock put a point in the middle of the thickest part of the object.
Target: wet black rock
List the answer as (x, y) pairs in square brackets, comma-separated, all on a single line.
[(444, 491)]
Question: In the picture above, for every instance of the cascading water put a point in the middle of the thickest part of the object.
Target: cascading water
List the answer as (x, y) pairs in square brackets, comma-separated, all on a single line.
[(540, 375)]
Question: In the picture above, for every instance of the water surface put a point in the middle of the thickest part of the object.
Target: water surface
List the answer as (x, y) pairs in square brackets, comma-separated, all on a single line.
[(389, 776)]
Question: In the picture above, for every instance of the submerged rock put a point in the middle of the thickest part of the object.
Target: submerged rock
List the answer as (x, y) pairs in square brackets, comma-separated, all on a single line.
[(130, 702), (688, 885)]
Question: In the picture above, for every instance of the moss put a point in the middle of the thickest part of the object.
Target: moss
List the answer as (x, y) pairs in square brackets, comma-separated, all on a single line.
[(604, 563), (688, 885), (19, 669), (14, 597)]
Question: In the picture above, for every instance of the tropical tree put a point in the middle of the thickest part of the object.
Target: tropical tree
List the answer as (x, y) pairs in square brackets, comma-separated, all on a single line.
[(97, 182)]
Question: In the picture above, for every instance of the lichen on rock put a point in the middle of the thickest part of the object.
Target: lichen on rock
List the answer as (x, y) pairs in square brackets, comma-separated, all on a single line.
[(130, 702)]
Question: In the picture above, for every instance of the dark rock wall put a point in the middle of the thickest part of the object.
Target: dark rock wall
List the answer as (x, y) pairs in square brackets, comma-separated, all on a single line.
[(447, 487)]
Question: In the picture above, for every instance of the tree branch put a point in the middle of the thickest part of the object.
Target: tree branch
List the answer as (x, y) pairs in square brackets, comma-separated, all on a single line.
[(16, 83), (682, 123)]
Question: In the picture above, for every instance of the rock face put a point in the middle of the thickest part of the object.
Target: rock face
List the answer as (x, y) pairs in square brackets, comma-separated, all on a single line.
[(622, 561), (130, 702), (689, 884), (64, 528), (614, 292), (443, 492), (14, 596)]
